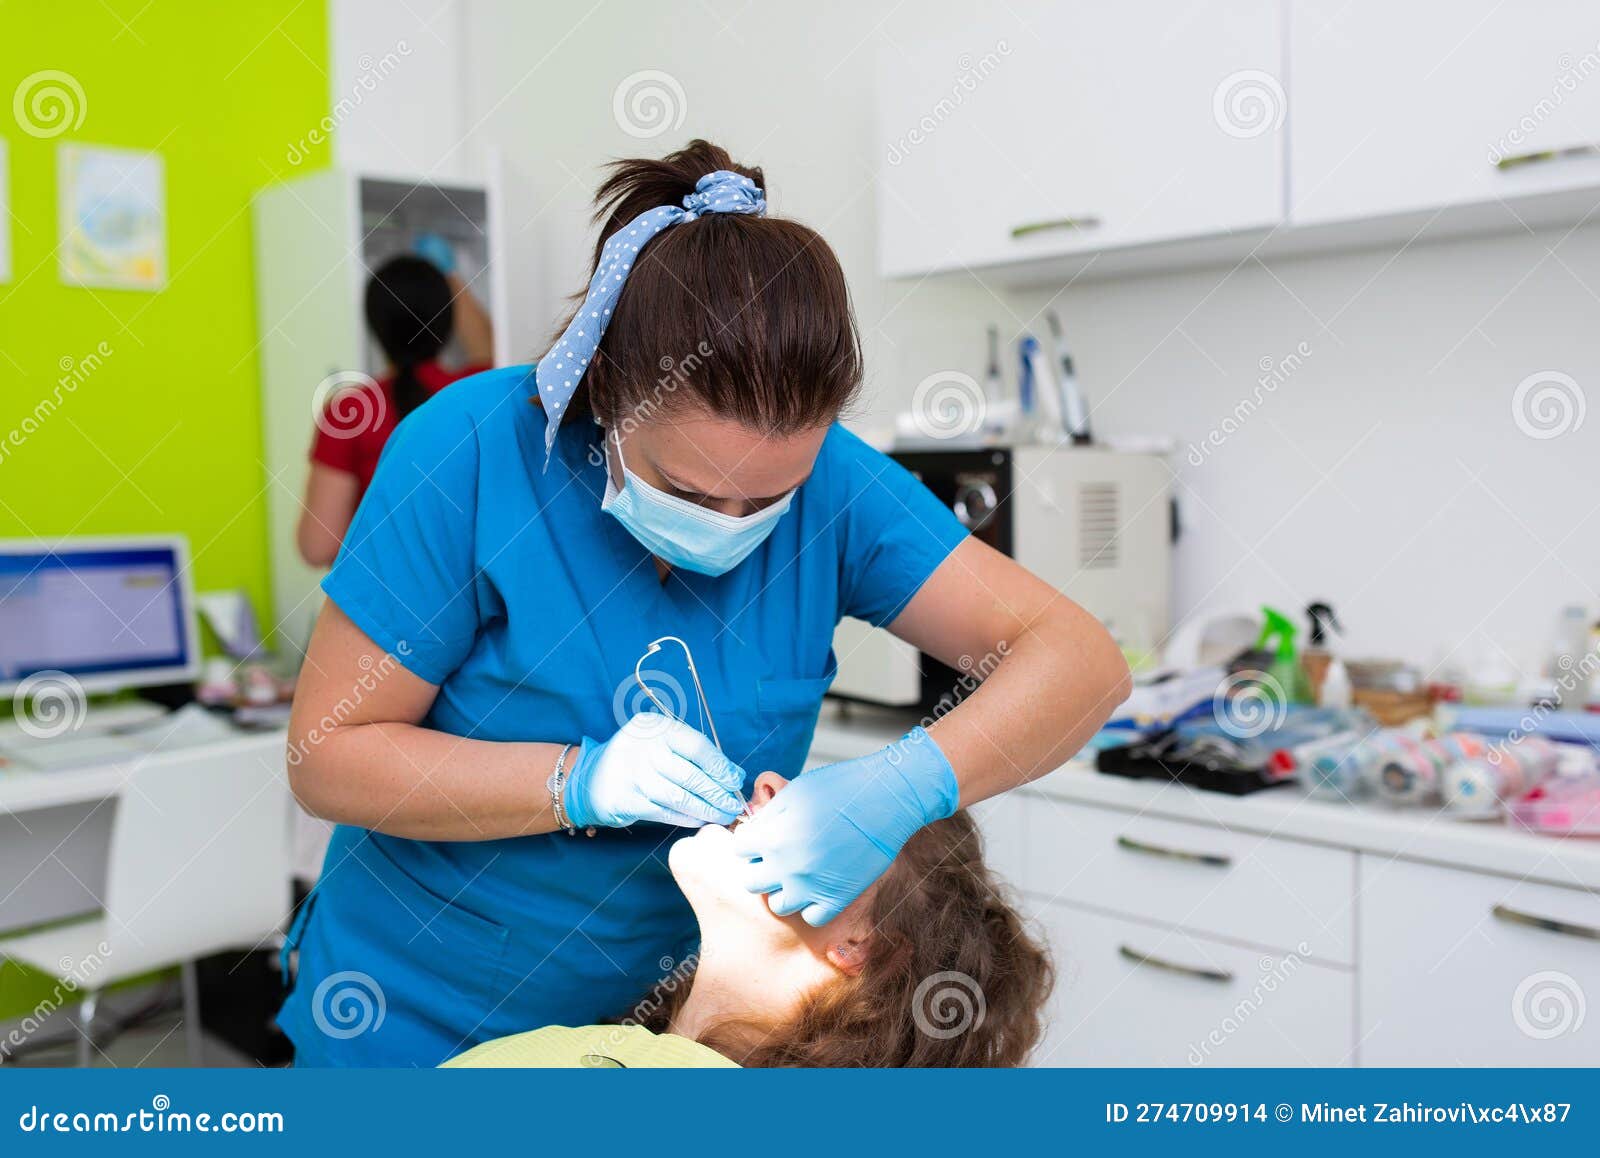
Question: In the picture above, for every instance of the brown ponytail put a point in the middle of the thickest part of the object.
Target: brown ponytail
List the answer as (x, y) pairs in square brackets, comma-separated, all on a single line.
[(748, 317)]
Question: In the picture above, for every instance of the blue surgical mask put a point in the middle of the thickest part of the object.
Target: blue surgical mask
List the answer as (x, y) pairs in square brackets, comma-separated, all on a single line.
[(685, 534)]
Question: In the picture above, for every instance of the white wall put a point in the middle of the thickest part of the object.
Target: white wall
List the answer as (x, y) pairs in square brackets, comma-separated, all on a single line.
[(1388, 472), (785, 86)]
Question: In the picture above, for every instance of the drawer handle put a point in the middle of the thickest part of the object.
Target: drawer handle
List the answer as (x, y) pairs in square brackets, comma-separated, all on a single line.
[(1215, 859), (1549, 924), (1032, 227), (1546, 155), (1138, 958)]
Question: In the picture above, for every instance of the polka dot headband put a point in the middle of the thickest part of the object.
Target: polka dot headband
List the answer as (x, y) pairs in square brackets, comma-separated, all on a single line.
[(561, 369)]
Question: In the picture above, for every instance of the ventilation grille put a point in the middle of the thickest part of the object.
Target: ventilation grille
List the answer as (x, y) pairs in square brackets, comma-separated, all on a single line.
[(1099, 517)]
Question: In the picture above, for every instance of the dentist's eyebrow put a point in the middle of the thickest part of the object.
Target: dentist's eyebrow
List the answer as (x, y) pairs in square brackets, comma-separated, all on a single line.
[(685, 488)]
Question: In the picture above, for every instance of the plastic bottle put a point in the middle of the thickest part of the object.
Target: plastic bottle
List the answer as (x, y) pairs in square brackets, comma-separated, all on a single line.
[(1278, 632), (1337, 691)]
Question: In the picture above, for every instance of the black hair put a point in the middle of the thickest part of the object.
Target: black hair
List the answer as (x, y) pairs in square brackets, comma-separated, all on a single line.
[(410, 312)]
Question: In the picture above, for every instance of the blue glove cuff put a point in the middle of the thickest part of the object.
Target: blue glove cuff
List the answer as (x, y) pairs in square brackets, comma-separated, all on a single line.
[(575, 799), (928, 773)]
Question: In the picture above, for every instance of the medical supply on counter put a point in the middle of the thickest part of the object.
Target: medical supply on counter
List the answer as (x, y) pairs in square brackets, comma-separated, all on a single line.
[(1211, 637), (1336, 691), (1074, 407), (1213, 762), (1316, 657), (1480, 786), (1565, 727), (1559, 806), (1331, 767), (1408, 771), (1277, 637)]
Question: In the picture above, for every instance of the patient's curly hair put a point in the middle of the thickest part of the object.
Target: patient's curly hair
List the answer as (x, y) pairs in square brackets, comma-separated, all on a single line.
[(952, 976)]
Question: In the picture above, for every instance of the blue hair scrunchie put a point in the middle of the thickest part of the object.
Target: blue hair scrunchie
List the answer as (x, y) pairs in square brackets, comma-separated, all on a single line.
[(562, 368)]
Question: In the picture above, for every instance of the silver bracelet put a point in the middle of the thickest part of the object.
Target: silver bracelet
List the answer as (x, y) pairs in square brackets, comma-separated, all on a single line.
[(556, 785)]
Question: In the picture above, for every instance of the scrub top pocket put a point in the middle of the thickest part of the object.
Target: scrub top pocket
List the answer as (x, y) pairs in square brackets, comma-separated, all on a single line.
[(788, 711)]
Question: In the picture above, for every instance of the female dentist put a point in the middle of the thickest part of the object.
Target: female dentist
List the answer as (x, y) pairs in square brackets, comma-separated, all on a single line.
[(672, 467)]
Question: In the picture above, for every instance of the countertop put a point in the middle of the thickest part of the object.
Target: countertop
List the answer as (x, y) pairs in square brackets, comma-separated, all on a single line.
[(1421, 834)]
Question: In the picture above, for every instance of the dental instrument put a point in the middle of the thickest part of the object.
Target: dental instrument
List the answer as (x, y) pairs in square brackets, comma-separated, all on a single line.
[(699, 692)]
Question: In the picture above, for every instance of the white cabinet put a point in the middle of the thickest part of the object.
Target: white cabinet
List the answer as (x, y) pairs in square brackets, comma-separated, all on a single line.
[(1131, 994), (1058, 128), (1407, 107), (1278, 894), (1464, 968)]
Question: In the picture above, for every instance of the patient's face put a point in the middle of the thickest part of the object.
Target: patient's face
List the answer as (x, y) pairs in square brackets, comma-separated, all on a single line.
[(735, 920)]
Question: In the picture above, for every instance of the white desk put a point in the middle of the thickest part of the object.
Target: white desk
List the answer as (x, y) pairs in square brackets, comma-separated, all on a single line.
[(55, 829)]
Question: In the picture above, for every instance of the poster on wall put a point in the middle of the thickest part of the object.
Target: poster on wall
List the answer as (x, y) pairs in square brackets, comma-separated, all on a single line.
[(5, 215), (113, 211)]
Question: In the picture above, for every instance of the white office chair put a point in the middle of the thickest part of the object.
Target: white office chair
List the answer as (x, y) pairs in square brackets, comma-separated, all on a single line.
[(199, 862)]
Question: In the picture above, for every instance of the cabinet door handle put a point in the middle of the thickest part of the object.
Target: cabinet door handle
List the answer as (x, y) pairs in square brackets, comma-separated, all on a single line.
[(1031, 227), (1549, 924), (1545, 155), (1138, 958), (1211, 858)]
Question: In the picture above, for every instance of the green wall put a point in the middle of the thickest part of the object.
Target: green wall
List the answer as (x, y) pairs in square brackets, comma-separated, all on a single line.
[(164, 433)]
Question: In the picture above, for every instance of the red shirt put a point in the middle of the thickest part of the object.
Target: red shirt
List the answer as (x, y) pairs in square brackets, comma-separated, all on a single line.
[(358, 420)]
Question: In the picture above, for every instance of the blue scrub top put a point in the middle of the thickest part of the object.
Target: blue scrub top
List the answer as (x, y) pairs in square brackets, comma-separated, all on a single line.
[(507, 586)]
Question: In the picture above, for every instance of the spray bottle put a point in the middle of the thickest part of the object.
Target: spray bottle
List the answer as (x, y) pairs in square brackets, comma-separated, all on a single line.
[(1317, 658), (1277, 634)]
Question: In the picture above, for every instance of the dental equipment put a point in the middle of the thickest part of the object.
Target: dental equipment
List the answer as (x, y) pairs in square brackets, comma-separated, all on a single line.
[(699, 692)]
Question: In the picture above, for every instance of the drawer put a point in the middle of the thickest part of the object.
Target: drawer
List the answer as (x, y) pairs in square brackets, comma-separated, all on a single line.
[(1129, 994), (1277, 893), (1464, 968)]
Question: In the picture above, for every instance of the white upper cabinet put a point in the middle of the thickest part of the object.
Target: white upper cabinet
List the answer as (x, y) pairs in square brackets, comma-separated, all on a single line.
[(1053, 129), (1406, 106)]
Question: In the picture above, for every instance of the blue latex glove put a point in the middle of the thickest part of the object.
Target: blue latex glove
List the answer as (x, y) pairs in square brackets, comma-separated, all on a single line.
[(831, 833), (655, 768), (432, 247)]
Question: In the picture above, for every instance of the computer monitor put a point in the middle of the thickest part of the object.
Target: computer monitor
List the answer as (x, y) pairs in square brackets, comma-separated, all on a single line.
[(112, 613)]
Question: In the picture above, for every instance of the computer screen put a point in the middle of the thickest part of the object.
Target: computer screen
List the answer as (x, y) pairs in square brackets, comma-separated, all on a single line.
[(110, 613)]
